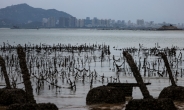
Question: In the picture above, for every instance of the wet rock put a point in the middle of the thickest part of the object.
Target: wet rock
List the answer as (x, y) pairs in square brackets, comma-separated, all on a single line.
[(47, 106), (176, 93), (126, 87), (105, 94), (118, 106), (26, 106), (12, 96), (151, 104), (32, 106)]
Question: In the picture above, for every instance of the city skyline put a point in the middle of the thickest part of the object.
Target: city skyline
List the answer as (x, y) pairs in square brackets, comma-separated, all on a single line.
[(157, 11)]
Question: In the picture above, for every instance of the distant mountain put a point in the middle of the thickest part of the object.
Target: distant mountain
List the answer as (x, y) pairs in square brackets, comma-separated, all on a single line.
[(22, 13)]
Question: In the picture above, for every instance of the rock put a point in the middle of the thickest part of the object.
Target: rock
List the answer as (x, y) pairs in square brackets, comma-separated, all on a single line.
[(105, 94), (32, 106), (126, 87), (15, 99), (176, 93), (151, 104), (47, 106), (26, 106), (12, 96)]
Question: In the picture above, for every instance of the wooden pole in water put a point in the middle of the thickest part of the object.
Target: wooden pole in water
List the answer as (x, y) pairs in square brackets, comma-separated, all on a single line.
[(168, 69), (137, 75), (3, 68), (25, 74)]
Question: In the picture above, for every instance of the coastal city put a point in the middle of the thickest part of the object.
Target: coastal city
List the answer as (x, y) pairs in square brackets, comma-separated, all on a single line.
[(73, 22), (16, 17)]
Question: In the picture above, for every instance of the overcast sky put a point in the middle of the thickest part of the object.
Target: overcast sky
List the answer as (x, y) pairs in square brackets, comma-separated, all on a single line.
[(170, 11)]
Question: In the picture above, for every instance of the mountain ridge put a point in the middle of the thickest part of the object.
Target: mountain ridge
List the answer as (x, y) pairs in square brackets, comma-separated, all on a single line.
[(22, 13)]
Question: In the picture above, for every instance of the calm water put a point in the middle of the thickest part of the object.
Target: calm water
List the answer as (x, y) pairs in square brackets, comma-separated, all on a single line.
[(124, 38), (73, 100)]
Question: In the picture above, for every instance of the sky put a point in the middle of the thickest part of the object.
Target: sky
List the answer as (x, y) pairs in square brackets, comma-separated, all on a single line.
[(159, 11)]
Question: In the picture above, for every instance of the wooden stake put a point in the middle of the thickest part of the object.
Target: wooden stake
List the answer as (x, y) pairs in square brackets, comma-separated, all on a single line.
[(137, 76)]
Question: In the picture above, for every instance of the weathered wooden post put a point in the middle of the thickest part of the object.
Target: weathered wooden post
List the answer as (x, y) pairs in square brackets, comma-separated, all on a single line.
[(173, 92), (164, 57), (137, 75), (148, 103), (25, 74), (3, 68)]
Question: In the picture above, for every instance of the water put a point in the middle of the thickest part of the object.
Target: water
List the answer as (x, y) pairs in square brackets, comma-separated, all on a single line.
[(117, 39), (121, 38)]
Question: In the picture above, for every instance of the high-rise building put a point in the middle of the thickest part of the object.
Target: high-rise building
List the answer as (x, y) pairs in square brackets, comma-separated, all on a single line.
[(51, 22), (62, 21), (123, 23), (87, 18), (95, 22), (44, 22), (140, 22), (80, 23), (67, 22), (72, 22), (151, 22), (107, 23), (88, 22), (129, 23)]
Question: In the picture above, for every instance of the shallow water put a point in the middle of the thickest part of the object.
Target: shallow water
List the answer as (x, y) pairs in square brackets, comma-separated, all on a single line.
[(69, 99)]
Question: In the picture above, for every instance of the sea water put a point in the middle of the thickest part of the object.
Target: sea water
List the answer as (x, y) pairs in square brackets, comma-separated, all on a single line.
[(116, 39)]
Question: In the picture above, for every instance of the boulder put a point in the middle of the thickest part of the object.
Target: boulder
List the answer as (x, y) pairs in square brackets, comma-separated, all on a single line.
[(30, 106), (151, 104), (105, 94), (12, 96), (176, 93), (47, 106), (15, 99), (26, 106)]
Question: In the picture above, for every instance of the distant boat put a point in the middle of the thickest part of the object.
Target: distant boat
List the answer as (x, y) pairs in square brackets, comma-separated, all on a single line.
[(15, 27), (170, 27)]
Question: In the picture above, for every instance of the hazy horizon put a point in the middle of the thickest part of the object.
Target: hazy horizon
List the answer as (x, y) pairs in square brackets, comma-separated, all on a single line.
[(159, 11)]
